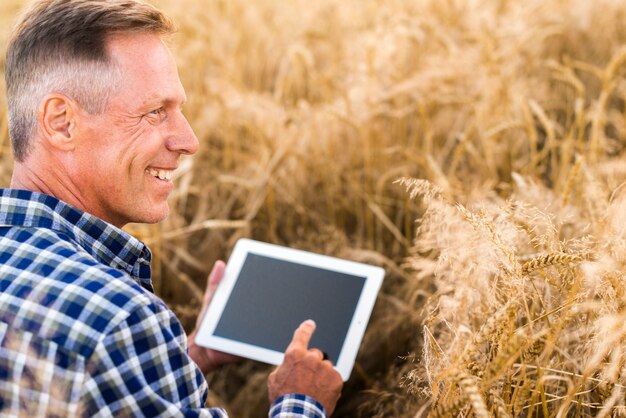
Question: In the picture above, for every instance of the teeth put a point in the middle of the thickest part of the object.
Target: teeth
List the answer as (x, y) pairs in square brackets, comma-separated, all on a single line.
[(161, 174)]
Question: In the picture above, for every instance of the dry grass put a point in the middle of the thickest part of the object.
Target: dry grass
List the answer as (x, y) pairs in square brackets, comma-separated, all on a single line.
[(507, 297)]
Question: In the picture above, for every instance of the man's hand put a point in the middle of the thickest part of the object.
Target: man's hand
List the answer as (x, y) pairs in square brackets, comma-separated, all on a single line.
[(206, 358), (306, 372)]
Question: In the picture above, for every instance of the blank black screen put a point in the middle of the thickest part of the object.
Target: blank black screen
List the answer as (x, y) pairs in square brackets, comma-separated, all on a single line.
[(272, 297)]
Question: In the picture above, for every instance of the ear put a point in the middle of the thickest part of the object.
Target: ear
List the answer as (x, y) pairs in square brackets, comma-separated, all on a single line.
[(56, 119)]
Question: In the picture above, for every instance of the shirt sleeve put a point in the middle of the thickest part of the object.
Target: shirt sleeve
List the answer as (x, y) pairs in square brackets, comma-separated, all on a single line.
[(141, 369), (296, 406)]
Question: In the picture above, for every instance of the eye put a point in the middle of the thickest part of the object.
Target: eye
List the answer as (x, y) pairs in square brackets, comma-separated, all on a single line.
[(157, 115)]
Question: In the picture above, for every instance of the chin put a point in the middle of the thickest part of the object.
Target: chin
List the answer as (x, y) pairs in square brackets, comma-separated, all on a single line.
[(156, 218), (151, 217)]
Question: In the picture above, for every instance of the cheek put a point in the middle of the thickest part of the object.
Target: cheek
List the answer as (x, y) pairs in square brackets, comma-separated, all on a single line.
[(142, 147), (127, 158), (128, 153), (109, 170)]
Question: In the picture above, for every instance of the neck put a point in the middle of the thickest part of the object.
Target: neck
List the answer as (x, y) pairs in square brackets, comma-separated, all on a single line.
[(29, 177), (57, 183), (26, 179)]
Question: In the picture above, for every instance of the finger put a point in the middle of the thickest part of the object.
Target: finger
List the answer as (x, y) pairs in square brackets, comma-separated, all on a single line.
[(318, 353), (213, 281), (302, 335)]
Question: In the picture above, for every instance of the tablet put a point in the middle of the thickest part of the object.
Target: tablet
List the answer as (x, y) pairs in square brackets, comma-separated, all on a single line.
[(268, 290)]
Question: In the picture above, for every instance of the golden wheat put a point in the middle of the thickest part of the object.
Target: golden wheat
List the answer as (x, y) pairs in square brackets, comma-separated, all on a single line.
[(504, 120)]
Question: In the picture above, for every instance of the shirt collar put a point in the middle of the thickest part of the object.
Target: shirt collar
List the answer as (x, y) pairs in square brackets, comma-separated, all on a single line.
[(106, 243)]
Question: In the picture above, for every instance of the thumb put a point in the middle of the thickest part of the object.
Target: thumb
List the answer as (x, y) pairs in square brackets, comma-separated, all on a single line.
[(213, 281)]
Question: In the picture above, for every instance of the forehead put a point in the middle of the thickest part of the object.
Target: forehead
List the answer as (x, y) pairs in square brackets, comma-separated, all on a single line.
[(147, 69)]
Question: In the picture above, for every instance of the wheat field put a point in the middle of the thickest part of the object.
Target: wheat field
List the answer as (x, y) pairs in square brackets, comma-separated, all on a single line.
[(475, 149)]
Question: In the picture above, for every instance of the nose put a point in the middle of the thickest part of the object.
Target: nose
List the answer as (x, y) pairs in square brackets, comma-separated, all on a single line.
[(182, 139)]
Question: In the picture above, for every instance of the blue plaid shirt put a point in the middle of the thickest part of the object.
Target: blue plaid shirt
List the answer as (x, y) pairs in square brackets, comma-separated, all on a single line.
[(81, 331)]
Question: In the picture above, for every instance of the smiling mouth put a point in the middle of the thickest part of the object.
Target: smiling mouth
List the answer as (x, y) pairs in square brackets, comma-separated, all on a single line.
[(166, 175)]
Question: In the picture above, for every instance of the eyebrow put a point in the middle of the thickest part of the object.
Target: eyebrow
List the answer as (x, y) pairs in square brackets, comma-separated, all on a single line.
[(158, 101)]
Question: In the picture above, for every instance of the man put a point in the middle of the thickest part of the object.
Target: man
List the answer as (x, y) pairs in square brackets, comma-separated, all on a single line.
[(97, 132)]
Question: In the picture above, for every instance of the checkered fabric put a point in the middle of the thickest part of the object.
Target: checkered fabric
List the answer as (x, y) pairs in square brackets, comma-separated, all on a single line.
[(81, 331), (296, 406)]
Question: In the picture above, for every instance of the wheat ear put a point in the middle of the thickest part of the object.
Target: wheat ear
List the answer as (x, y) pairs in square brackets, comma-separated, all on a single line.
[(550, 260), (471, 391), (448, 410), (501, 318), (506, 355), (498, 405), (569, 185)]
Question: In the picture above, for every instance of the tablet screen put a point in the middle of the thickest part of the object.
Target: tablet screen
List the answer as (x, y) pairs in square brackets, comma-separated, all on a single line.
[(265, 307)]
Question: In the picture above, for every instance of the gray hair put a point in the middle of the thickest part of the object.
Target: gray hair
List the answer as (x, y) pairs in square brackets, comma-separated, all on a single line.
[(59, 46)]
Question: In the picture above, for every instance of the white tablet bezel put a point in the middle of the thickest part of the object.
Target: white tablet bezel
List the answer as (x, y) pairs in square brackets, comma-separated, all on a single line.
[(373, 281)]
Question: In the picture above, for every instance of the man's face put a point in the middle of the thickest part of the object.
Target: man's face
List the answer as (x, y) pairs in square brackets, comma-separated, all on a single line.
[(124, 166)]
